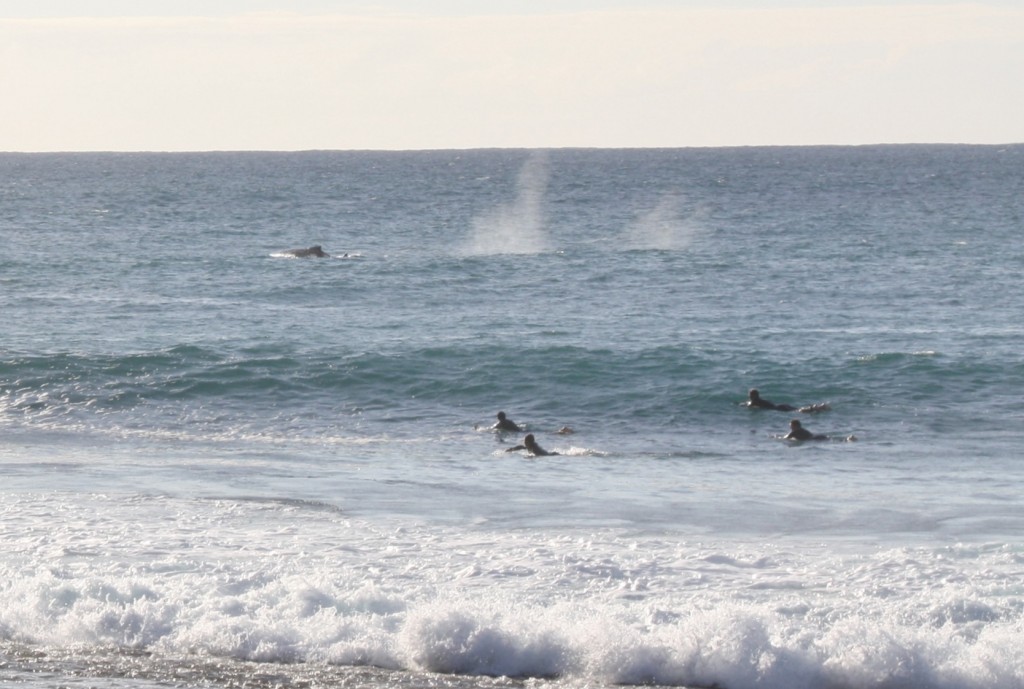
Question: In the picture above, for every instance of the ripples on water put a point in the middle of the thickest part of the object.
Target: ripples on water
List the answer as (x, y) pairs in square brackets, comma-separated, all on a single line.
[(224, 467)]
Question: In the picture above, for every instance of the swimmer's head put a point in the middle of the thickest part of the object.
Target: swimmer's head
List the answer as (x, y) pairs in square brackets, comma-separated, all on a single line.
[(754, 394), (501, 416), (794, 424)]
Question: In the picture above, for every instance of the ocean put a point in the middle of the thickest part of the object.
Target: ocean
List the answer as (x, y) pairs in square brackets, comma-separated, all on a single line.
[(222, 465)]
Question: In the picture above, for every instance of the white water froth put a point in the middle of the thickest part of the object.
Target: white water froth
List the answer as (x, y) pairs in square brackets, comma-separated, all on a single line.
[(285, 582)]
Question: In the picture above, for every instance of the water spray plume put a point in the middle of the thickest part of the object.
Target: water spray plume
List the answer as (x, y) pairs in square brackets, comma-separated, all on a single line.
[(516, 227)]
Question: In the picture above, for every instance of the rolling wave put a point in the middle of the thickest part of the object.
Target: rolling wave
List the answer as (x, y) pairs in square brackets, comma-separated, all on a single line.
[(678, 384)]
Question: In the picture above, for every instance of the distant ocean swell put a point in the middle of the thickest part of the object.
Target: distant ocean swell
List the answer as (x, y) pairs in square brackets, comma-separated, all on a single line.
[(222, 468), (454, 383), (474, 378)]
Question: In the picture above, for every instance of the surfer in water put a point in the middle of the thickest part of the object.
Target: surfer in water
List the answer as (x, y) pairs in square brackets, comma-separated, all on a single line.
[(798, 432), (755, 401), (531, 446), (505, 424)]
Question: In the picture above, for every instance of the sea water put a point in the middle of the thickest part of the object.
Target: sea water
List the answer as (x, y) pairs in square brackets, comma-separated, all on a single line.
[(224, 466)]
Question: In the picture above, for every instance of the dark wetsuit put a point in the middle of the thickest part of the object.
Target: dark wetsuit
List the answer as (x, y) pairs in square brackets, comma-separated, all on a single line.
[(505, 424), (760, 403), (531, 446), (801, 433), (765, 404)]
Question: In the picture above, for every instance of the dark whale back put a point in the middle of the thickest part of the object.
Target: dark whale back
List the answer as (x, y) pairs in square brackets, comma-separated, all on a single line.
[(311, 251)]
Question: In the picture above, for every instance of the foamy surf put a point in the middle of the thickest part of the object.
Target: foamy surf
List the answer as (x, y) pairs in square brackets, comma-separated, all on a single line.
[(300, 589), (221, 469)]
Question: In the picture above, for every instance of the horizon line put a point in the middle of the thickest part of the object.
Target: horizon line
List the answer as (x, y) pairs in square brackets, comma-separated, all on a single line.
[(504, 148)]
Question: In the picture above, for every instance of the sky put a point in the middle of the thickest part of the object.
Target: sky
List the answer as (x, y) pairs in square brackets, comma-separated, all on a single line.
[(197, 75)]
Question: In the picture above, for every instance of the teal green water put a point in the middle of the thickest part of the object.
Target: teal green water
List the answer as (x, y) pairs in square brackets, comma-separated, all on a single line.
[(165, 364)]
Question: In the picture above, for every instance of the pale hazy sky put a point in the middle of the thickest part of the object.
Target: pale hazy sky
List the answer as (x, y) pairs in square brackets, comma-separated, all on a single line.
[(401, 74)]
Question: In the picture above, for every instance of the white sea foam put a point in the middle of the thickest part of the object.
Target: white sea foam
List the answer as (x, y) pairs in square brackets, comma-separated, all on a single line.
[(223, 470), (282, 583)]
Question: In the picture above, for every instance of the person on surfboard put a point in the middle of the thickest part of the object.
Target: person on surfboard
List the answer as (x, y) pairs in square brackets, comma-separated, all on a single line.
[(505, 424), (755, 401), (531, 446), (798, 432)]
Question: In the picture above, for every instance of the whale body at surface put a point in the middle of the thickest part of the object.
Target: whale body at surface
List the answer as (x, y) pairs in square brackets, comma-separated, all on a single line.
[(316, 251)]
